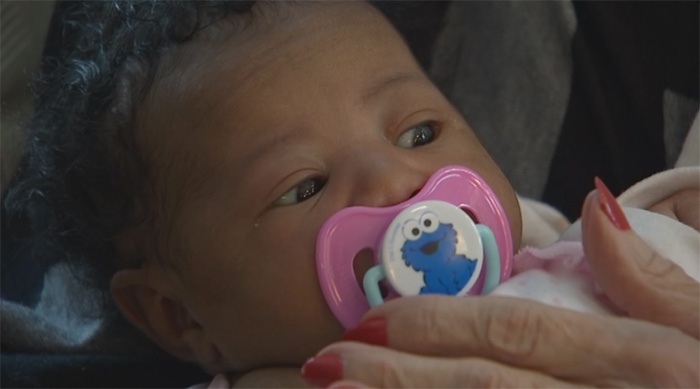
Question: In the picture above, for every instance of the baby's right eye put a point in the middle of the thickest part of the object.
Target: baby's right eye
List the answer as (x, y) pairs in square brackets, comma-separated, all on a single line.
[(302, 191)]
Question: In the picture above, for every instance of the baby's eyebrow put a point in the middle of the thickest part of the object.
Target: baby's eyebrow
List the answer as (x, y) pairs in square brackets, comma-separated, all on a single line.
[(387, 82)]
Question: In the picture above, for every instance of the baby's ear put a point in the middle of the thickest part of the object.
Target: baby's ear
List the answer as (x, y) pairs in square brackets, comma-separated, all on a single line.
[(163, 318)]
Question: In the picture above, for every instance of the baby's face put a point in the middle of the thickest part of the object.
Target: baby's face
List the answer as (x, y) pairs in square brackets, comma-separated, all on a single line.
[(261, 137)]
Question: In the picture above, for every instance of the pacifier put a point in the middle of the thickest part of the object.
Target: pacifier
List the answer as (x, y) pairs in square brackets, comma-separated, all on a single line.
[(451, 238)]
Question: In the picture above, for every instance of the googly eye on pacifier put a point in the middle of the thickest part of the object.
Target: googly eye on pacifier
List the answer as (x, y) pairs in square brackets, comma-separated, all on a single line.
[(432, 247)]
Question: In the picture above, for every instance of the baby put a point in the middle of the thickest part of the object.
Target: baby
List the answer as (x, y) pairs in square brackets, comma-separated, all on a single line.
[(200, 183), (225, 151), (308, 109)]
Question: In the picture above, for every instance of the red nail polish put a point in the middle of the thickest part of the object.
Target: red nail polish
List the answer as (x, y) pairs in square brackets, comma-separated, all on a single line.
[(610, 206), (372, 331), (322, 370)]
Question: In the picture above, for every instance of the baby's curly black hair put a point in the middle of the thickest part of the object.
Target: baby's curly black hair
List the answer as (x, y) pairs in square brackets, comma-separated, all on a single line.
[(82, 177)]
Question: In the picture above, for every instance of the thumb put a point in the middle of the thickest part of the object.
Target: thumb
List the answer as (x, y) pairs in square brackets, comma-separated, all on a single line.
[(635, 277)]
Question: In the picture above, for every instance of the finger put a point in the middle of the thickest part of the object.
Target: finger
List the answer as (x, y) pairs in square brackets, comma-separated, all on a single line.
[(636, 278), (386, 368), (562, 343)]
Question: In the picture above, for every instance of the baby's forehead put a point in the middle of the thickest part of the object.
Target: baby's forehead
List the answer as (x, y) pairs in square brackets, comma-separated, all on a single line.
[(190, 78)]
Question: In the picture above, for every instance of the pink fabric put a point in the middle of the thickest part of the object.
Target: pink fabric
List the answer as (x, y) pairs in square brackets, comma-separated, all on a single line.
[(557, 275), (560, 256)]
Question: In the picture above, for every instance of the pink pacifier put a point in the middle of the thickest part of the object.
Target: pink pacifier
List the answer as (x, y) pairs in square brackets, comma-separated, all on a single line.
[(452, 238)]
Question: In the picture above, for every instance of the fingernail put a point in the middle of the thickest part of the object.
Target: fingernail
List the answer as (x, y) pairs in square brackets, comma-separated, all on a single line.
[(372, 331), (322, 370), (610, 206)]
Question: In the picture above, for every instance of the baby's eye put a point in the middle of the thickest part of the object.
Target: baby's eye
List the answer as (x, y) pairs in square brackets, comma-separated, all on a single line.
[(302, 191), (419, 135)]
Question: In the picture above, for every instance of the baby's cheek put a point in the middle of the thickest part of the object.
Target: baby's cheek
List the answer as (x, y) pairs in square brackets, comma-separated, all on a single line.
[(283, 320), (285, 334)]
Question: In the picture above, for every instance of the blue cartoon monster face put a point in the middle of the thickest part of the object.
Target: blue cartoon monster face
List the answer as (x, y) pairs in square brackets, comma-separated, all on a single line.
[(425, 246), (430, 247)]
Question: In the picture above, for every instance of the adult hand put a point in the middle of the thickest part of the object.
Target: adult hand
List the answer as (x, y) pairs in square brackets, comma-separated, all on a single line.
[(269, 377), (437, 341)]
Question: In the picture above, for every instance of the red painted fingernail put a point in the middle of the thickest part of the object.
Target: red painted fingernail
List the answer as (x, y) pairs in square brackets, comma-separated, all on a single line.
[(322, 370), (610, 206), (372, 331)]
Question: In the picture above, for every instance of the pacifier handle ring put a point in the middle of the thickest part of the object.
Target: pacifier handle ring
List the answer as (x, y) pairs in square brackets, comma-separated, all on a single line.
[(370, 283), (492, 257)]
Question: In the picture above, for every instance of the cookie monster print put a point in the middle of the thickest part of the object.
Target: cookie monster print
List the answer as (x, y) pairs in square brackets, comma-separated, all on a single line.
[(432, 251)]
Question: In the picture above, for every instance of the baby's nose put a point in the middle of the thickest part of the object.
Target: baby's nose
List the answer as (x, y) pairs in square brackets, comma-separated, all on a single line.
[(384, 181)]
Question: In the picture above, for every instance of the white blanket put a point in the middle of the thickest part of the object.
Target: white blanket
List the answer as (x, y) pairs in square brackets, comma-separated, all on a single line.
[(551, 266)]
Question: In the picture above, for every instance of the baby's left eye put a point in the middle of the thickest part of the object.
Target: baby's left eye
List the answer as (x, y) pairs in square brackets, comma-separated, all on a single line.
[(419, 135)]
